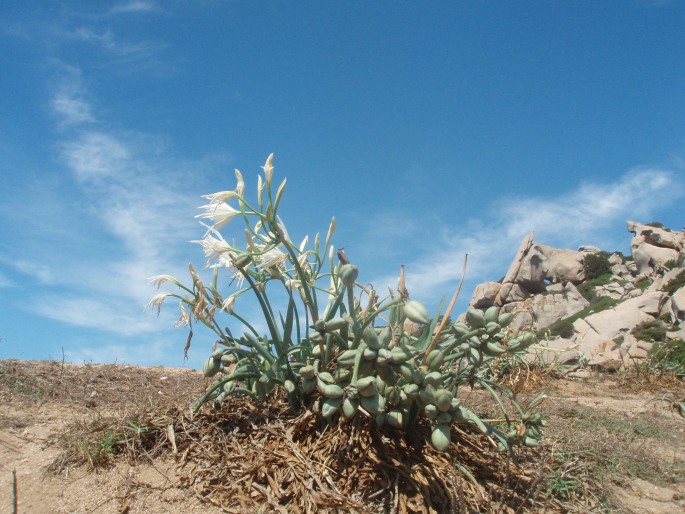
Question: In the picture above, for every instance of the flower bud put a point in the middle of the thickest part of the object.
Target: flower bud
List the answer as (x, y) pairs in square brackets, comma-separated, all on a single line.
[(348, 274)]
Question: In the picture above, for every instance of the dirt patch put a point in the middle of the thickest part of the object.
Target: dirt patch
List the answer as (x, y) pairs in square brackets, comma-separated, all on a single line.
[(604, 449), (41, 401)]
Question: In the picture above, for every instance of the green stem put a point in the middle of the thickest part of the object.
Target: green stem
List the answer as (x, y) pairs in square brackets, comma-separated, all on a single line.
[(266, 308), (350, 301), (358, 361), (302, 277)]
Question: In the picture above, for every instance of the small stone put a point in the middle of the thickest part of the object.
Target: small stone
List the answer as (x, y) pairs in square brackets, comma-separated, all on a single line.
[(581, 373)]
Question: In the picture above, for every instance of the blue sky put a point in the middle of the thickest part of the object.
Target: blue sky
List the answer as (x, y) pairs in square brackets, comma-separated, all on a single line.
[(428, 129)]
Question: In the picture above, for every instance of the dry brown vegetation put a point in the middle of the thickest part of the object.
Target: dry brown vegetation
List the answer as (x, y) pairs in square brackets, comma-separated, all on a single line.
[(116, 438)]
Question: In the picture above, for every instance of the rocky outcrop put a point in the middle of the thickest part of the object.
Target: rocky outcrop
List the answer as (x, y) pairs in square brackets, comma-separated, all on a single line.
[(535, 265), (676, 305), (620, 320), (652, 247), (542, 310), (485, 295), (539, 288), (658, 236), (557, 351)]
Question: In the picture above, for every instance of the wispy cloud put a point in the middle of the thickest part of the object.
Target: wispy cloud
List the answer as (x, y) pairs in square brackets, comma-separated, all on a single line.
[(96, 156), (123, 211), (41, 272), (586, 215), (125, 56), (109, 314), (74, 109), (104, 42), (69, 100), (136, 197), (134, 6), (588, 211), (140, 199), (6, 281)]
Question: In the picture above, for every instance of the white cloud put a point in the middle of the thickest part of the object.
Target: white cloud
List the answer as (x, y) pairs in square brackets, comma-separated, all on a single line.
[(6, 281), (41, 272), (591, 208), (69, 100), (74, 109), (136, 196), (134, 6), (125, 56), (145, 209), (108, 314), (587, 215), (95, 156)]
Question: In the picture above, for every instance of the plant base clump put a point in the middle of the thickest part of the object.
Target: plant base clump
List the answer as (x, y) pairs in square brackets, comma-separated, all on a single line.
[(243, 456)]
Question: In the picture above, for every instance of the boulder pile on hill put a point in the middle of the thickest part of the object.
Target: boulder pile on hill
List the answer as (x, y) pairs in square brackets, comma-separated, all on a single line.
[(592, 307)]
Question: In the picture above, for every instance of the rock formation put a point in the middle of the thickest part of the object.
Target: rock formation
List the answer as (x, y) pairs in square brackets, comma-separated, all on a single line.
[(541, 289), (652, 247), (535, 265)]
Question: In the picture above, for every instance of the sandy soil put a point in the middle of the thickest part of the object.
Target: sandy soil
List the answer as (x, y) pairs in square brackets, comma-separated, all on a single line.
[(35, 410)]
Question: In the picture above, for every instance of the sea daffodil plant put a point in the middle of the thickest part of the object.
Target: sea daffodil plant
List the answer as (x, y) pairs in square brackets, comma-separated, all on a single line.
[(334, 343)]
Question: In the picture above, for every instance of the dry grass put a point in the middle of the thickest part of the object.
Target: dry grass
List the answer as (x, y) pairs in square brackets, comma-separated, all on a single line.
[(592, 451), (644, 378), (242, 456), (524, 378), (248, 457)]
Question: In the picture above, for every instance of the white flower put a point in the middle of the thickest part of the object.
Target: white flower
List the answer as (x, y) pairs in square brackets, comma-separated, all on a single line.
[(214, 245), (240, 187), (251, 246), (228, 304), (272, 258), (303, 244), (225, 196), (158, 280), (260, 188), (331, 229), (227, 260), (220, 197), (157, 301), (239, 277), (219, 214), (184, 320), (269, 169), (281, 228), (304, 263)]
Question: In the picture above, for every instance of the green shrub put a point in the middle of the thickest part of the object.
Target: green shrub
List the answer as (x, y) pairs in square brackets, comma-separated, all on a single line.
[(655, 224), (596, 265), (652, 330), (587, 288), (672, 264), (564, 327), (669, 356), (675, 284), (643, 284)]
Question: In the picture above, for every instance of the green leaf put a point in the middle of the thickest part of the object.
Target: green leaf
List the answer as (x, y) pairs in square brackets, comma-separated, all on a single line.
[(331, 309), (422, 342)]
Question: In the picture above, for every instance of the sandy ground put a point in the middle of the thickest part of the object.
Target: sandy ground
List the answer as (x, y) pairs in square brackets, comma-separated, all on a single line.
[(31, 423)]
